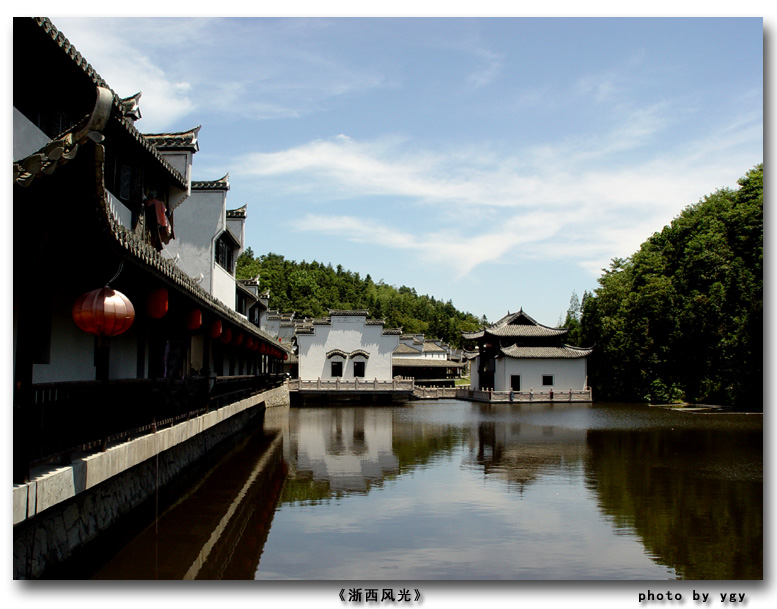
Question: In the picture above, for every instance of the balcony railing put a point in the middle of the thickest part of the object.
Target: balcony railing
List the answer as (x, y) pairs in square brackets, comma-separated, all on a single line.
[(54, 420), (356, 384), (488, 395)]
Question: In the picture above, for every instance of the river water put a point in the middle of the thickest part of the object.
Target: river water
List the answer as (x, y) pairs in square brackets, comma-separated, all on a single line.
[(457, 490)]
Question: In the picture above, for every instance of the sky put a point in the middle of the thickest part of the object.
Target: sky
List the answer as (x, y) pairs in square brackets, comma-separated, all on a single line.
[(499, 163)]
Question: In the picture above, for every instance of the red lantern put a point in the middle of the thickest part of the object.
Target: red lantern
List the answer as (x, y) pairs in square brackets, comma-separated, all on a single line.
[(226, 335), (250, 342), (194, 319), (104, 312), (285, 356), (156, 306), (215, 329), (238, 339)]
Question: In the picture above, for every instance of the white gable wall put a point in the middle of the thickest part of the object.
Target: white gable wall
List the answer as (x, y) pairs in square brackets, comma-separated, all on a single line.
[(196, 223), (348, 334)]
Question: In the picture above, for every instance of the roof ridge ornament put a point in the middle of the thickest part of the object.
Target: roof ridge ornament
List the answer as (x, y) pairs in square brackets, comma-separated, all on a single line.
[(130, 106)]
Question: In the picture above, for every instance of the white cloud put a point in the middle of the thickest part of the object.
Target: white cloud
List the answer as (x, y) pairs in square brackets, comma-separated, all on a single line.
[(117, 50), (580, 200)]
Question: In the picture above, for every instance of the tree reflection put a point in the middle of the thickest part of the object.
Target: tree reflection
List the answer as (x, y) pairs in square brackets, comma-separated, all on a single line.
[(695, 496)]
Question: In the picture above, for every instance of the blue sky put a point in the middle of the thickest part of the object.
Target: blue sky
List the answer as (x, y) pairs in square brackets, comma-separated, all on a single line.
[(496, 162)]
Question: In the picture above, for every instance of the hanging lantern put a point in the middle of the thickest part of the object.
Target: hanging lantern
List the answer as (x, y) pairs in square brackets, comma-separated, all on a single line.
[(250, 342), (104, 312), (285, 356), (226, 335), (215, 329), (194, 319), (238, 339), (156, 305)]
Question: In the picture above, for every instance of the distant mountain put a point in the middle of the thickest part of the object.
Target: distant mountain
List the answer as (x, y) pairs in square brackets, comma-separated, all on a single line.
[(311, 289)]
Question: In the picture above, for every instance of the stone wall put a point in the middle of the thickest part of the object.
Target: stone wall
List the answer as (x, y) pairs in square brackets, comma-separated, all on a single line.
[(53, 535)]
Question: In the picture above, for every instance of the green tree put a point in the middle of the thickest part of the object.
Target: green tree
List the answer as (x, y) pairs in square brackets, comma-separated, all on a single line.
[(683, 317)]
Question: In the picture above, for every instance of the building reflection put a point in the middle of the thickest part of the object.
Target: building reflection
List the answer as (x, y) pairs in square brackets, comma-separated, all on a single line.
[(510, 447), (335, 451)]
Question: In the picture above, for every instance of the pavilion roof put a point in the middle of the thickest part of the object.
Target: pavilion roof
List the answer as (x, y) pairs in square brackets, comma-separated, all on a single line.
[(516, 325), (563, 352)]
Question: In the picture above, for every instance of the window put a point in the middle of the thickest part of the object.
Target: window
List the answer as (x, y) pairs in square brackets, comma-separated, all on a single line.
[(515, 382), (225, 255), (358, 369), (547, 380), (337, 369)]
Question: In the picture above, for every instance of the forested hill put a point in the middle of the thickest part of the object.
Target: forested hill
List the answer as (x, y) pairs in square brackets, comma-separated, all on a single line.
[(311, 289), (682, 319)]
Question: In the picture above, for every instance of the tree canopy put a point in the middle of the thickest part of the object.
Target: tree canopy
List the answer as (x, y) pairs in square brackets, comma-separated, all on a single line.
[(682, 318), (311, 289)]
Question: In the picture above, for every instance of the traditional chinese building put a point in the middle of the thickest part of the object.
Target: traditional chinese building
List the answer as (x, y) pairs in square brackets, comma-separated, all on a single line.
[(429, 362), (116, 331), (519, 354), (349, 354)]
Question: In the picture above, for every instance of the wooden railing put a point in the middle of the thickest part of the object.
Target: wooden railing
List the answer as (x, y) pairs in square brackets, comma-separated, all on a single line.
[(398, 384), (53, 420)]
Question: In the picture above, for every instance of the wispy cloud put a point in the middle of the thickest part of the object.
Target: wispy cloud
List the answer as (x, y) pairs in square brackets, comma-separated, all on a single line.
[(266, 69), (577, 200)]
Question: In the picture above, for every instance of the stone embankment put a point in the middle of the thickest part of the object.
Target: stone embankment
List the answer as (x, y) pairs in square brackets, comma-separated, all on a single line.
[(61, 510)]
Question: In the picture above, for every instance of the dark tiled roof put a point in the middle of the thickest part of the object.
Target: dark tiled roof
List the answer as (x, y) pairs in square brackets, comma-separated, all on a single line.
[(146, 254), (59, 38), (423, 362), (361, 352), (47, 26), (516, 325), (180, 140), (327, 321), (334, 352), (221, 184), (564, 352), (403, 348), (239, 213), (341, 313), (432, 347)]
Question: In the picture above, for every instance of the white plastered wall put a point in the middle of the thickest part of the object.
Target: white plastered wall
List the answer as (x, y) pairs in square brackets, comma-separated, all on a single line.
[(348, 334), (567, 373)]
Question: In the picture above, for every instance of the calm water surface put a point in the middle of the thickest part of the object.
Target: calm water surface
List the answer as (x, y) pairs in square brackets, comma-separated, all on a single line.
[(457, 490)]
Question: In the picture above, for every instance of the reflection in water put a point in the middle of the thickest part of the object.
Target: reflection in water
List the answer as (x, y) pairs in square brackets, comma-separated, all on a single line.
[(694, 495), (338, 450), (457, 490), (218, 529), (429, 491), (519, 453)]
